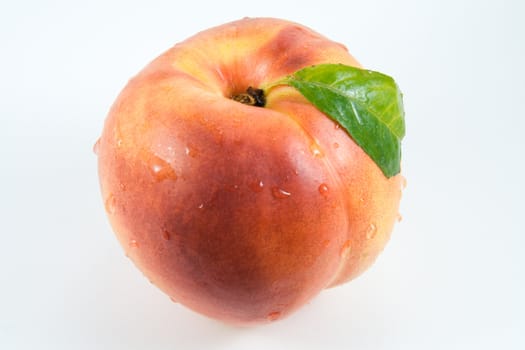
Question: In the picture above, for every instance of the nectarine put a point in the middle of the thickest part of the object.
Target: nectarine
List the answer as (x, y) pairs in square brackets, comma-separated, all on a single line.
[(241, 202)]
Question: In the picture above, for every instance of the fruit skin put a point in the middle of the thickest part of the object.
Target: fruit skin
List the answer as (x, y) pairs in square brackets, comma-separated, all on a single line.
[(241, 213)]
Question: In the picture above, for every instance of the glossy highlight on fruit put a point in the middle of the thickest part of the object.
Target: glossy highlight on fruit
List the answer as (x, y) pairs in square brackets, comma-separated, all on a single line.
[(241, 205)]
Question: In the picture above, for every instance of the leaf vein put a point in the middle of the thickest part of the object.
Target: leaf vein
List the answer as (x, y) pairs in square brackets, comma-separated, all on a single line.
[(353, 100)]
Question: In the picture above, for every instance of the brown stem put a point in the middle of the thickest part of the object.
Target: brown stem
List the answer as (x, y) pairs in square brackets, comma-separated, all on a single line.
[(252, 97)]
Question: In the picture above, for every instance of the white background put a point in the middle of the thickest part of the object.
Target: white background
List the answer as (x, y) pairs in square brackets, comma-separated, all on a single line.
[(453, 275)]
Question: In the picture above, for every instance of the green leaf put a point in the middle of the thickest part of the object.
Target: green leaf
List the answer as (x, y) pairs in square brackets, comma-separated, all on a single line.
[(367, 104)]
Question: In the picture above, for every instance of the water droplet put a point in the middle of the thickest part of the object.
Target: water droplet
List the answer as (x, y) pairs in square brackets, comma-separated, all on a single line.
[(364, 256), (346, 249), (336, 145), (323, 189), (337, 126), (232, 188), (314, 148), (256, 186), (190, 152), (133, 243), (96, 147), (343, 47), (201, 206), (162, 170), (371, 231), (272, 316), (110, 204), (166, 235), (279, 193)]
